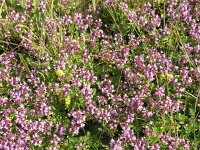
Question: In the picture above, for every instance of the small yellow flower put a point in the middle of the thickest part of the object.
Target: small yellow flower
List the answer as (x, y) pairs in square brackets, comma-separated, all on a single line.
[(58, 90), (74, 40), (67, 100), (59, 73), (169, 76)]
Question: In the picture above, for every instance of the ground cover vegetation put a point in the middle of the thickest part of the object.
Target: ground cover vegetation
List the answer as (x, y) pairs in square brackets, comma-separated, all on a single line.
[(99, 74)]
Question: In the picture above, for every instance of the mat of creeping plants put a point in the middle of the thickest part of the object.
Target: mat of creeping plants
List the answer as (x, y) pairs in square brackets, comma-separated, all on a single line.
[(99, 75)]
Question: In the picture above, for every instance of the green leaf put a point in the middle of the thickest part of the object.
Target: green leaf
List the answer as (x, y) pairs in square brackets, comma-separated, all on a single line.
[(155, 140), (23, 61)]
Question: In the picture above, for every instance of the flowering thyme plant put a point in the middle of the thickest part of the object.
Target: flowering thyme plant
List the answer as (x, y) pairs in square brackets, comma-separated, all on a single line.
[(113, 74)]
